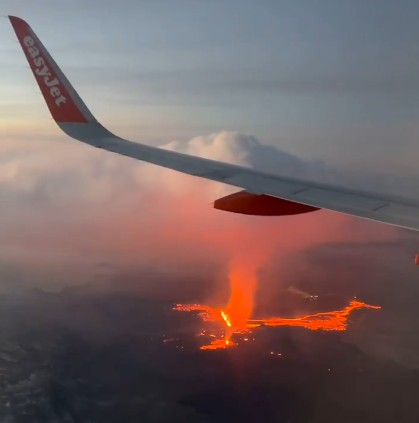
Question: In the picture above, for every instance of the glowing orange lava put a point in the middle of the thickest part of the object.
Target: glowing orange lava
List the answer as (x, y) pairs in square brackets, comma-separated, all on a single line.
[(327, 321), (330, 320), (243, 283), (218, 344), (206, 313), (226, 319)]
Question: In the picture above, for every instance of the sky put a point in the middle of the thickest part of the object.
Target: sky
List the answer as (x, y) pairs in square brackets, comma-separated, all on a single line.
[(324, 80), (316, 90)]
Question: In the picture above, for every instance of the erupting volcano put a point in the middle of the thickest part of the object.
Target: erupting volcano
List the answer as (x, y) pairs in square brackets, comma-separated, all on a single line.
[(327, 321), (237, 317)]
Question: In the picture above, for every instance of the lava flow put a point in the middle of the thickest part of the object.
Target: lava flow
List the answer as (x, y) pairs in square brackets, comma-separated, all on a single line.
[(327, 321)]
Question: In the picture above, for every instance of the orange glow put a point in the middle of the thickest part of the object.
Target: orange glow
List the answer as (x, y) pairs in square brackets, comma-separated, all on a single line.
[(327, 321), (206, 313), (243, 283), (218, 344)]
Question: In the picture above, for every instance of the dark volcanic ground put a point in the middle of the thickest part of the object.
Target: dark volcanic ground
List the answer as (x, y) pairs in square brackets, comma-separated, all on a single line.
[(84, 356)]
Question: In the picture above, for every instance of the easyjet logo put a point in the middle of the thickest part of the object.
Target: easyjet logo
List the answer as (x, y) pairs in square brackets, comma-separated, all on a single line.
[(41, 69)]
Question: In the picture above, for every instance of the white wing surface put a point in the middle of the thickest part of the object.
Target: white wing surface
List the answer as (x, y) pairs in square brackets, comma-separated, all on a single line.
[(75, 119)]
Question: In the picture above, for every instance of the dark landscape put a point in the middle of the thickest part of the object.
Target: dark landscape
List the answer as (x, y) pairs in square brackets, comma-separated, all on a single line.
[(88, 355)]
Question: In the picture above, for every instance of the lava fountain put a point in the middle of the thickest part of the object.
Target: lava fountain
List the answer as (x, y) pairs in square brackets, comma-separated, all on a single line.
[(243, 283), (236, 317)]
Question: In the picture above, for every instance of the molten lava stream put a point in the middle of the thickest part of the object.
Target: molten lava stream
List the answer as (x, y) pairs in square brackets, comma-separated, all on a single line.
[(328, 321)]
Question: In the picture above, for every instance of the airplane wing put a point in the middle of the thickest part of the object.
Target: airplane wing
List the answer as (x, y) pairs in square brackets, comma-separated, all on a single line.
[(75, 119)]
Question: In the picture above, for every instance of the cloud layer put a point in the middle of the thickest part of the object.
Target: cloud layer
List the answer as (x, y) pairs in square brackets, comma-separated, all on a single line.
[(66, 203)]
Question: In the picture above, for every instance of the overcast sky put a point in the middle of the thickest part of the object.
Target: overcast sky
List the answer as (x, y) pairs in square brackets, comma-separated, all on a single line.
[(336, 81)]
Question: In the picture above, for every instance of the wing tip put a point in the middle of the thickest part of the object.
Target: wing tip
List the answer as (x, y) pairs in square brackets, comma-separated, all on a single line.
[(62, 100), (16, 21)]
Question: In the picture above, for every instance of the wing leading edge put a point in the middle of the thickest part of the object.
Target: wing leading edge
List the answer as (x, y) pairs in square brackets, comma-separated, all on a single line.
[(75, 119)]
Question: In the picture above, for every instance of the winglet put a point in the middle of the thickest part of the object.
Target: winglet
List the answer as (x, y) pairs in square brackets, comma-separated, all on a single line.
[(62, 100)]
